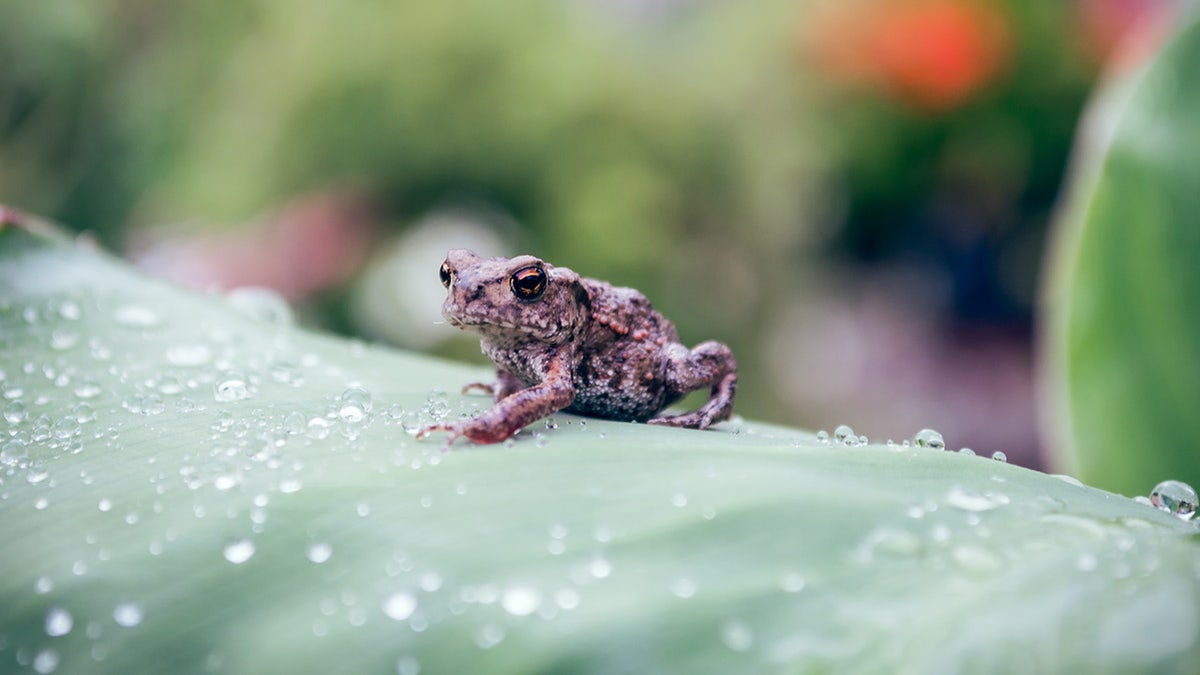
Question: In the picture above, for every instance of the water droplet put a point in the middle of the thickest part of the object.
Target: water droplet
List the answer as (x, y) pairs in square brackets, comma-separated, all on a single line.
[(69, 310), (59, 622), (1174, 497), (966, 451), (844, 435), (1069, 480), (355, 404), (44, 585), (1000, 456), (231, 386), (127, 614), (823, 437), (489, 636), (683, 588), (136, 316), (521, 600), (407, 665), (290, 485), (295, 423), (66, 428), (1087, 562), (318, 428), (261, 303), (188, 355), (792, 582), (889, 541), (976, 559), (928, 438), (431, 581), (600, 568), (46, 661), (239, 551), (62, 339), (14, 412), (319, 552), (567, 598), (679, 499), (737, 635), (105, 505), (400, 605), (960, 498), (87, 388)]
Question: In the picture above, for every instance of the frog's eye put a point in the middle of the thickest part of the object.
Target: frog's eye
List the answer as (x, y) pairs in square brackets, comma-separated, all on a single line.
[(528, 283), (447, 274)]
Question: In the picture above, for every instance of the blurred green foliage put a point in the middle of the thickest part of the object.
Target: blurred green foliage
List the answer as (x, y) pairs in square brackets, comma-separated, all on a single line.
[(1126, 293), (694, 150)]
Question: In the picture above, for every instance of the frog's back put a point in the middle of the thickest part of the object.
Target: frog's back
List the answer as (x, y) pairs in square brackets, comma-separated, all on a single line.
[(622, 367)]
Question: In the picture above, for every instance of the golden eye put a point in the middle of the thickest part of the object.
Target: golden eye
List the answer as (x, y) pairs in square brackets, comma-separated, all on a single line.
[(447, 273), (528, 283)]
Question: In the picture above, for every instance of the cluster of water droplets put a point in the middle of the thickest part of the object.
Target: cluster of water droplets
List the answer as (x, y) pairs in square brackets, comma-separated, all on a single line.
[(925, 439)]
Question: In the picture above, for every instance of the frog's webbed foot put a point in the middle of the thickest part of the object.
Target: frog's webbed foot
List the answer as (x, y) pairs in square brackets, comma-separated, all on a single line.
[(710, 364)]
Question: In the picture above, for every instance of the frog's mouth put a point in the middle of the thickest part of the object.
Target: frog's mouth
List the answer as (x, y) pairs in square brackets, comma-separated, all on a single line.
[(496, 328)]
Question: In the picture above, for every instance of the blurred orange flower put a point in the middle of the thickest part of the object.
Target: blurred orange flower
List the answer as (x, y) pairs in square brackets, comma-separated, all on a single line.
[(932, 54)]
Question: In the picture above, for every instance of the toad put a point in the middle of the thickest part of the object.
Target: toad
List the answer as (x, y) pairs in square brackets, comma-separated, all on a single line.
[(564, 342)]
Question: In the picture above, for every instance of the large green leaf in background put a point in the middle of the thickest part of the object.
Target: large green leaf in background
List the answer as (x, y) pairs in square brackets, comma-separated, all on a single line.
[(192, 484), (1122, 337)]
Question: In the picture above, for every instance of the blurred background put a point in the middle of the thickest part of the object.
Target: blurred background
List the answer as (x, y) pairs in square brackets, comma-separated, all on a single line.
[(853, 194)]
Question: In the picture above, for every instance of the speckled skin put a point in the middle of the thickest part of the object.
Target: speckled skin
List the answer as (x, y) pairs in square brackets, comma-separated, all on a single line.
[(560, 341)]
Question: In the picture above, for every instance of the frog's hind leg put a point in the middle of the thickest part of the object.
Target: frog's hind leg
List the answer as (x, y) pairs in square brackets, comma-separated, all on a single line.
[(711, 365)]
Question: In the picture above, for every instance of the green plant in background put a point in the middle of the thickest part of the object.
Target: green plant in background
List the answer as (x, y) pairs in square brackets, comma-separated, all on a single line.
[(1124, 368), (651, 143), (194, 484)]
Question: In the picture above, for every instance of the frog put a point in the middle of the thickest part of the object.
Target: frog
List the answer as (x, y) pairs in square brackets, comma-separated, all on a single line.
[(560, 341)]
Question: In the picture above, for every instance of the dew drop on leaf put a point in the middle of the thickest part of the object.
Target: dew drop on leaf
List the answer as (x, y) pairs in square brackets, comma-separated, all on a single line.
[(399, 606), (319, 552), (928, 438), (683, 588), (136, 316), (1175, 497), (196, 354), (127, 614), (737, 635), (239, 551), (407, 665), (355, 404), (231, 386), (46, 661), (59, 622), (521, 600), (260, 303), (844, 435)]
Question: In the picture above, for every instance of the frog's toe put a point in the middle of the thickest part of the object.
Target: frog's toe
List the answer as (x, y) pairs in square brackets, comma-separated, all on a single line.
[(693, 420), (488, 388), (453, 431)]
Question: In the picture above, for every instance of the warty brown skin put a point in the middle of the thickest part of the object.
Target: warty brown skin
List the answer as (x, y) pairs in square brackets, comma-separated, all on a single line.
[(563, 342)]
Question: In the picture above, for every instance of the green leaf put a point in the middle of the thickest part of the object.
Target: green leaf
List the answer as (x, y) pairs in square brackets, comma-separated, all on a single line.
[(1125, 289), (192, 484)]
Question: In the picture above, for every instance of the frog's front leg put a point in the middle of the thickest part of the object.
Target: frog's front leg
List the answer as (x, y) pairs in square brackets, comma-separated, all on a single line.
[(515, 411), (505, 385), (710, 364)]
